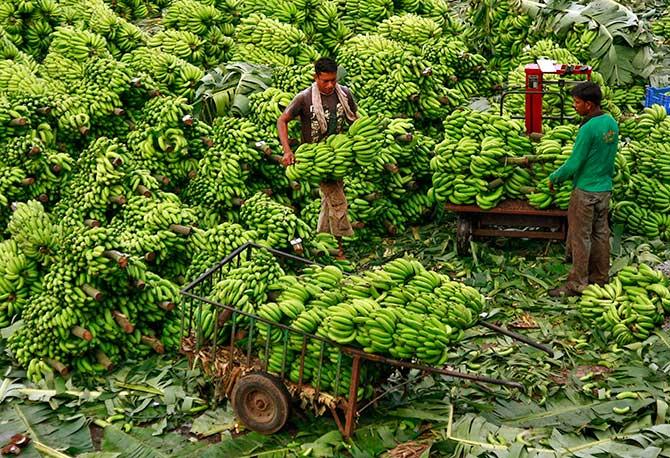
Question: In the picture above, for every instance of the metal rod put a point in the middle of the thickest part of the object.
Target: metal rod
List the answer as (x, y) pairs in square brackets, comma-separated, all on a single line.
[(517, 336), (352, 402)]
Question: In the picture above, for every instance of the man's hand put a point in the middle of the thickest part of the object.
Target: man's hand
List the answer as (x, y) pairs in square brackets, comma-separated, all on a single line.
[(288, 159), (551, 186)]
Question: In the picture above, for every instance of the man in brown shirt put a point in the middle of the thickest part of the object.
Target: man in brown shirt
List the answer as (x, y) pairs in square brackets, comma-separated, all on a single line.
[(324, 109)]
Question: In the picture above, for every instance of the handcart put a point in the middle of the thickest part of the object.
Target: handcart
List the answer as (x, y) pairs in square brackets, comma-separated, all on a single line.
[(261, 400), (511, 218)]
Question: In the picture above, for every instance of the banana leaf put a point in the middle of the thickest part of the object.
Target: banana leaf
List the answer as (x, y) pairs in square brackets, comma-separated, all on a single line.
[(623, 48), (46, 430)]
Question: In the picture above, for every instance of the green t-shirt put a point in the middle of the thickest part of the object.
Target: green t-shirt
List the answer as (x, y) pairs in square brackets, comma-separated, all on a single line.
[(591, 164)]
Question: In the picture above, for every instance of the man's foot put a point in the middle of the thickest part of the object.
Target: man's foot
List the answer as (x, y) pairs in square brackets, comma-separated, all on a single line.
[(563, 291)]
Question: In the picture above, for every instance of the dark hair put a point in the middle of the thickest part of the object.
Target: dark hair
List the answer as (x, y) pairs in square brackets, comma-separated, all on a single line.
[(325, 65), (588, 92)]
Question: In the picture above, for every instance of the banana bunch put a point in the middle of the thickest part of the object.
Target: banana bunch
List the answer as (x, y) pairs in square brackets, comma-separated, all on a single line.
[(158, 70), (266, 106), (275, 224), (292, 78), (181, 44), (661, 25), (578, 41), (275, 37), (19, 276), (650, 192), (120, 35), (29, 24), (167, 140), (256, 274), (393, 78), (34, 232), (364, 16), (198, 18), (134, 9), (641, 127), (629, 99), (501, 29), (631, 306), (213, 244), (97, 182), (411, 28), (640, 220)]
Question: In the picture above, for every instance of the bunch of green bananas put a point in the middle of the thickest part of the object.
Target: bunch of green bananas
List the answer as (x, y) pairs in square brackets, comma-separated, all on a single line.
[(629, 99), (134, 9), (272, 36), (364, 16), (661, 25), (29, 24), (19, 275), (631, 306), (276, 224), (266, 107), (33, 231), (642, 126), (121, 36), (156, 70), (640, 220)]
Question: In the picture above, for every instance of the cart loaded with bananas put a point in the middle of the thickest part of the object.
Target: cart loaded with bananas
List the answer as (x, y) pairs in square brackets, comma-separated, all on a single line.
[(272, 328)]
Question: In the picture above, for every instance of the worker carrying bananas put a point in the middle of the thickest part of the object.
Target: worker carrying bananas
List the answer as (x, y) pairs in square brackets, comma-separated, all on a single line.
[(591, 168), (325, 108)]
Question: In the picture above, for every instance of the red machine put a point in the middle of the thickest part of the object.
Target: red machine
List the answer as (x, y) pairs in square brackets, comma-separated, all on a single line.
[(535, 87)]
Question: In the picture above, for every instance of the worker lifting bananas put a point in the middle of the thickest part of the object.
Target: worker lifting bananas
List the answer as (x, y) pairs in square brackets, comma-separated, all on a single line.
[(326, 108)]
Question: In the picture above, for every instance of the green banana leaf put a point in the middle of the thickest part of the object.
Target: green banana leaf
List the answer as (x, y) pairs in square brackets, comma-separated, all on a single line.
[(46, 430)]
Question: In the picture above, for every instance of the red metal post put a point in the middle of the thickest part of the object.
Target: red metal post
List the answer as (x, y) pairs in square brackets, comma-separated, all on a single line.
[(352, 402), (533, 99)]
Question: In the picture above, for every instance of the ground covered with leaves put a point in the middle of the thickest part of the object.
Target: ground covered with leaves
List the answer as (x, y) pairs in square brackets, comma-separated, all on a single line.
[(591, 399)]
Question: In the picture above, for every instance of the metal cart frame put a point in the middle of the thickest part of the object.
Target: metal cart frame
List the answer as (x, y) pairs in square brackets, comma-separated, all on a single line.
[(506, 220), (242, 364)]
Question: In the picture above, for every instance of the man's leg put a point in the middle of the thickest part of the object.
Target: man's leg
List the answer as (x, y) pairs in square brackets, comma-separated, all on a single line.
[(580, 222), (599, 260), (334, 217)]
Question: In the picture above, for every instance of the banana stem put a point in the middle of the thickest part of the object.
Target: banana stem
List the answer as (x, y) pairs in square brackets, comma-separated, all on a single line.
[(391, 167), (117, 161), (120, 258), (82, 333), (527, 189), (167, 305), (295, 185), (404, 138), (104, 360), (372, 196), (207, 142), (268, 192), (118, 111), (28, 181), (43, 111), (515, 160), (120, 200), (92, 222), (123, 322), (139, 284), (44, 198), (18, 122), (357, 225), (392, 230), (180, 229), (498, 182), (150, 256), (92, 292), (143, 190), (58, 366), (238, 202), (83, 130), (187, 120), (56, 169), (277, 158), (163, 179), (154, 343), (34, 150)]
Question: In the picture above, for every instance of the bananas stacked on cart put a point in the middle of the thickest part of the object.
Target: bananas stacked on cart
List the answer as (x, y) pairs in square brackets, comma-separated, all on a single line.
[(401, 311), (631, 306), (485, 158)]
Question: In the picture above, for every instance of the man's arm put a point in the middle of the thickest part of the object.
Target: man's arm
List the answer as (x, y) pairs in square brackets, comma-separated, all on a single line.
[(290, 113), (576, 160), (352, 103), (282, 127)]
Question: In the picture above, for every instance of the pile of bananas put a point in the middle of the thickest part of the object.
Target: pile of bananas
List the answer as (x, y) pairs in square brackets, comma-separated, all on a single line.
[(631, 306), (643, 194), (88, 307), (29, 24), (661, 25), (275, 224)]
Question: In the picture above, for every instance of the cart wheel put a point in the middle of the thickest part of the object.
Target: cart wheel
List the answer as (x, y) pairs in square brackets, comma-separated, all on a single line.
[(261, 402), (463, 235)]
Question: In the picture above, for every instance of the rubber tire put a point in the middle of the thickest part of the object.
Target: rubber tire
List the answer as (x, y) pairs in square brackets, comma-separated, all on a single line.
[(268, 391)]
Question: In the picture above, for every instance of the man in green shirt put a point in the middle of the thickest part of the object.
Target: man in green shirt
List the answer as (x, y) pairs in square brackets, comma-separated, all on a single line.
[(591, 168)]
